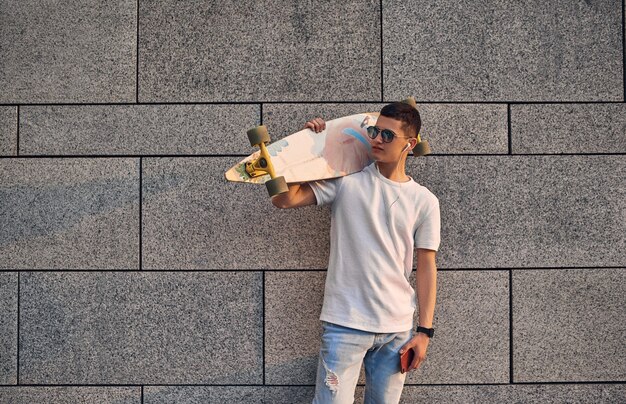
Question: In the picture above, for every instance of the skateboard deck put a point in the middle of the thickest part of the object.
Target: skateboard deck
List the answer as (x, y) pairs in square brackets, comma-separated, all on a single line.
[(342, 148)]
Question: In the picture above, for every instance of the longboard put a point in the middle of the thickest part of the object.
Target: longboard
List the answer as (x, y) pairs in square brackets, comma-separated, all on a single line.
[(342, 148)]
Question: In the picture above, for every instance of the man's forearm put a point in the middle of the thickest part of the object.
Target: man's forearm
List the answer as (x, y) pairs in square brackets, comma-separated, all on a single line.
[(298, 195), (284, 200), (426, 283)]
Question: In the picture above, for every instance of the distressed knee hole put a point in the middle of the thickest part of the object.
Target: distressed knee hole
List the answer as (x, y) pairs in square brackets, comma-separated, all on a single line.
[(331, 380)]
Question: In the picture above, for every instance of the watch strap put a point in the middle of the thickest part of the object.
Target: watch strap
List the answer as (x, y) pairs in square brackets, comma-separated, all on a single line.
[(428, 331)]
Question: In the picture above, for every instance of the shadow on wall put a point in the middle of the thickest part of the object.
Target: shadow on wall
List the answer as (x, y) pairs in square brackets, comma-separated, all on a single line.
[(29, 211)]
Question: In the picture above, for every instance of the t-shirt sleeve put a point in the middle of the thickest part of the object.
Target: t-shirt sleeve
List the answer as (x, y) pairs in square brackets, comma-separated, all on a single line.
[(427, 234), (325, 191)]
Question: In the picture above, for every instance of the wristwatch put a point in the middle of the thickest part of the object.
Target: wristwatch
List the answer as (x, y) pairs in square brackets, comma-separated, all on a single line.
[(428, 331)]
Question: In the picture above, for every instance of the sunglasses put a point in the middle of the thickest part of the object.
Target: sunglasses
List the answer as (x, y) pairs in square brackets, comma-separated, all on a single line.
[(386, 134)]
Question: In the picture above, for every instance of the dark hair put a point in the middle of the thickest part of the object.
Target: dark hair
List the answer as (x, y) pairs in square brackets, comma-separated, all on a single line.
[(405, 113)]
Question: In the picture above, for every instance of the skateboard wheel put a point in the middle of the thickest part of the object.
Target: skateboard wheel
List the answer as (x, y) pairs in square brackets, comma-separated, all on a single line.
[(422, 148), (410, 101), (258, 135), (276, 186)]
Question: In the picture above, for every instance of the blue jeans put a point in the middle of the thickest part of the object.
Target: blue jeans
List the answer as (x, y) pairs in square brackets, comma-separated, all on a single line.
[(342, 352)]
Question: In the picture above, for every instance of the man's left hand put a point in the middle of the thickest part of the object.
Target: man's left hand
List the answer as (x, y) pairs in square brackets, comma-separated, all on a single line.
[(419, 343)]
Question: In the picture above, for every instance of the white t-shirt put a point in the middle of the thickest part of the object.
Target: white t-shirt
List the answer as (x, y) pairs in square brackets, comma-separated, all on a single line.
[(375, 225)]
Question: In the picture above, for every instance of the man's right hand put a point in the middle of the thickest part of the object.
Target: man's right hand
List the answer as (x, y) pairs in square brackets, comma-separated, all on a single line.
[(300, 194), (316, 124)]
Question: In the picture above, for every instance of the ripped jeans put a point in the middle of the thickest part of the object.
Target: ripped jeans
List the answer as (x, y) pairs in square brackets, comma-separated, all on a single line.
[(343, 351)]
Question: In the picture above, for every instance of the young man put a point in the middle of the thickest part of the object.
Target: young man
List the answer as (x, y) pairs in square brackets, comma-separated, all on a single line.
[(379, 216)]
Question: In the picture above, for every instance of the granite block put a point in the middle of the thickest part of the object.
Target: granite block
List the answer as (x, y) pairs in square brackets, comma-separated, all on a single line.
[(568, 325), (70, 395), (293, 302), (468, 301), (136, 129), (568, 128), (449, 128), (141, 328), (194, 219), (465, 128), (8, 328), (71, 51), (503, 51), (69, 214), (530, 394), (465, 300), (8, 131), (284, 119), (259, 51), (228, 394), (528, 211)]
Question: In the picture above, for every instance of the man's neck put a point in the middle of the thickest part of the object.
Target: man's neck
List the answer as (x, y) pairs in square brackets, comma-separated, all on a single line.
[(393, 171)]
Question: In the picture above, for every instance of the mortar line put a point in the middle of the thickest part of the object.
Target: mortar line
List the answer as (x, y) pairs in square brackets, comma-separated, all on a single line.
[(508, 117), (304, 102), (511, 326), (18, 329), (382, 63), (624, 46), (18, 131), (261, 113), (606, 382), (122, 156), (616, 382), (263, 319), (237, 155), (137, 58), (141, 394), (140, 213), (312, 270)]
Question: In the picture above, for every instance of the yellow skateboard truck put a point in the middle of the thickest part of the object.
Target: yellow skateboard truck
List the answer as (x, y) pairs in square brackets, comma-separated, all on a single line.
[(258, 136)]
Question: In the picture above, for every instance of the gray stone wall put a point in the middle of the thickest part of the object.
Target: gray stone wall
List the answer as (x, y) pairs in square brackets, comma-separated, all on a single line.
[(132, 272)]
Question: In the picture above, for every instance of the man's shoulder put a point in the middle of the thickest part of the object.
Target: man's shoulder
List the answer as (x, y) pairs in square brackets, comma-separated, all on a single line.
[(358, 176), (424, 195), (429, 194)]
